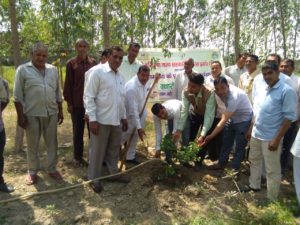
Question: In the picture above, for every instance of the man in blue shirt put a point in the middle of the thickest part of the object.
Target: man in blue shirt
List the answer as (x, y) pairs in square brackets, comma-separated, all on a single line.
[(274, 110)]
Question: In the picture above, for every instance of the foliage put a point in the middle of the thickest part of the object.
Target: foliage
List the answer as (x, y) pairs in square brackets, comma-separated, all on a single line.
[(188, 153), (167, 144), (265, 26)]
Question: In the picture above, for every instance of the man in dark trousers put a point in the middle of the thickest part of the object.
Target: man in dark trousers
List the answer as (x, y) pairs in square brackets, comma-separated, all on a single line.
[(73, 94)]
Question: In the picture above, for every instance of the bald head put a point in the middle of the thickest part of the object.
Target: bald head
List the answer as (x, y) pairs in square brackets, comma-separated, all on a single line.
[(188, 66)]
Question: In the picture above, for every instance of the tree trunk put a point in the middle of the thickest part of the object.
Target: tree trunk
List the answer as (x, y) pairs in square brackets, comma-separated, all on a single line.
[(17, 61), (15, 33), (282, 24), (236, 29), (105, 25)]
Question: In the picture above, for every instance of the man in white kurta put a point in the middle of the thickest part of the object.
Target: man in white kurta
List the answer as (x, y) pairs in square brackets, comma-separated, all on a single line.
[(135, 92)]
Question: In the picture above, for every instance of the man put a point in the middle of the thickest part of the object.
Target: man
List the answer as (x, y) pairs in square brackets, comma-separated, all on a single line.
[(246, 79), (4, 99), (105, 54), (73, 94), (287, 67), (130, 64), (236, 70), (259, 80), (104, 98), (182, 79), (296, 168), (274, 111), (170, 111), (180, 84), (38, 102), (136, 91), (215, 145), (216, 72), (199, 105), (235, 121)]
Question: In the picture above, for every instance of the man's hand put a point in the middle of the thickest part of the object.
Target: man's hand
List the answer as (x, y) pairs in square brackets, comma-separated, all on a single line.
[(141, 133), (22, 121), (207, 139), (273, 145), (70, 108), (124, 124), (60, 117), (200, 140), (176, 136), (94, 127)]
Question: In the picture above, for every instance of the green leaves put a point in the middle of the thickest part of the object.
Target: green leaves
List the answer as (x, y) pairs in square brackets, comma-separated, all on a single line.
[(185, 154)]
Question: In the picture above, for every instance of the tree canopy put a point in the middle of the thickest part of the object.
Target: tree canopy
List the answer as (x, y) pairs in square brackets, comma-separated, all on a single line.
[(256, 26)]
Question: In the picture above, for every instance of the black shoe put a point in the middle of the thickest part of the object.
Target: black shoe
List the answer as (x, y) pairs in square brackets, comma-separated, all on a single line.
[(6, 188), (133, 161), (97, 187), (247, 188), (120, 178)]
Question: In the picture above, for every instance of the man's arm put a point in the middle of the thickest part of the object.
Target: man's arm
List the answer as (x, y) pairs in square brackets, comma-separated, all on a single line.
[(68, 87), (22, 121), (220, 126), (273, 145), (209, 115), (90, 94)]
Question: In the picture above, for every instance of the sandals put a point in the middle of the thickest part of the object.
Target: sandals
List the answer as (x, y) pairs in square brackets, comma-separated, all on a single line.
[(31, 179)]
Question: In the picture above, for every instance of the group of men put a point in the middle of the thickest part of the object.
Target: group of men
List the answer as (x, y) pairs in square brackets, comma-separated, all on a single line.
[(225, 111), (219, 112)]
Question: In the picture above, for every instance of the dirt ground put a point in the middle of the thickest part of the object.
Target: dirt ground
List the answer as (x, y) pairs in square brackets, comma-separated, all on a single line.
[(145, 200)]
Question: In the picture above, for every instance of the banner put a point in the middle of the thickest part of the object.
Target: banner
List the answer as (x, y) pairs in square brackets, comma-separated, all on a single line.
[(170, 63)]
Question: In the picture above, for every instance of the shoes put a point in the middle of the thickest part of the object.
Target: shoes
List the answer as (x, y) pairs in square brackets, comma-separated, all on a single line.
[(80, 163), (97, 187), (55, 175), (120, 178), (216, 166), (31, 179), (133, 161), (247, 188), (6, 188)]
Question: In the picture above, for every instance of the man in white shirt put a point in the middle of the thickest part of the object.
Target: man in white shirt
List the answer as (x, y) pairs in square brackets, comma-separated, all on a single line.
[(136, 91), (104, 98), (215, 145), (170, 111), (296, 166), (182, 78), (180, 84), (287, 67), (130, 64), (236, 70), (246, 79)]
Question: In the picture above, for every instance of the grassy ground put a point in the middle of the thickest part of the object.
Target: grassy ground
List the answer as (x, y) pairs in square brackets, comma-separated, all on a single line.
[(208, 198)]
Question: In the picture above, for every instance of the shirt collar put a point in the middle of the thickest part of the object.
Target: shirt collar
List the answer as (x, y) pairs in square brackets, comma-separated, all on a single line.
[(125, 59), (108, 69), (30, 64)]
